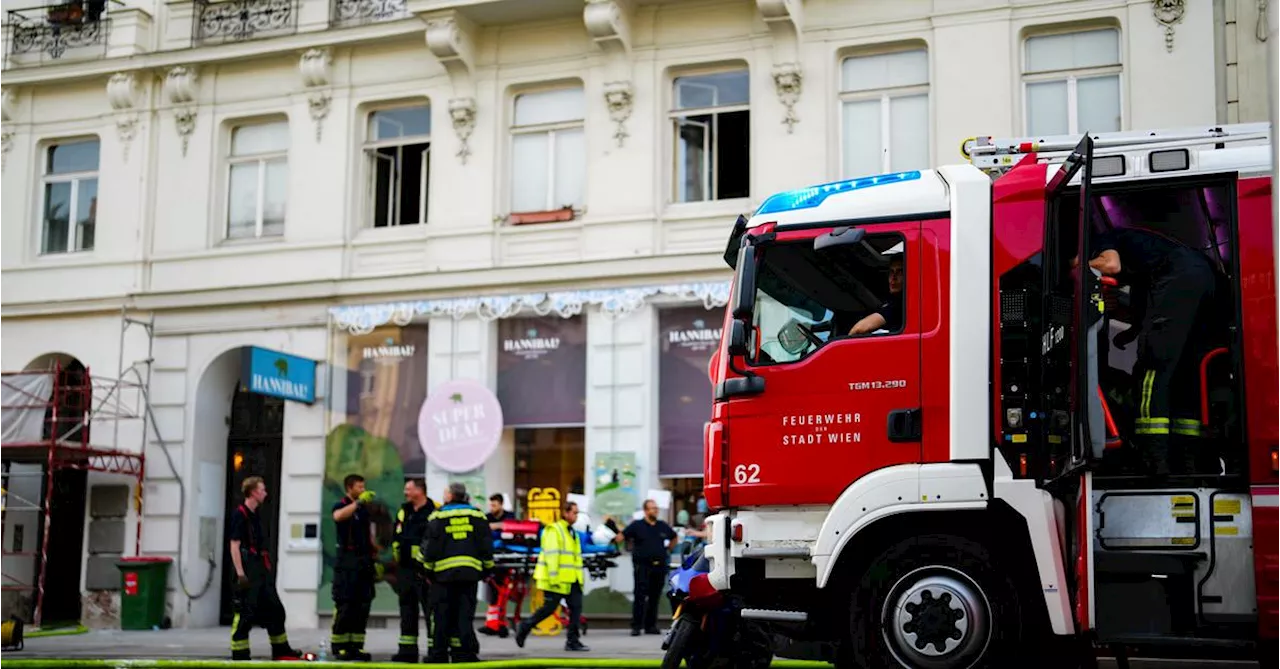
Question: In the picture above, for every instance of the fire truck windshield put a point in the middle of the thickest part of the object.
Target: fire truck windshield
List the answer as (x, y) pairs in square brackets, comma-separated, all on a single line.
[(806, 298)]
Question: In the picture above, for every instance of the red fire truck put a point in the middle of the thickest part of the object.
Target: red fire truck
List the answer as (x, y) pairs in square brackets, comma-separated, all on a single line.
[(920, 452)]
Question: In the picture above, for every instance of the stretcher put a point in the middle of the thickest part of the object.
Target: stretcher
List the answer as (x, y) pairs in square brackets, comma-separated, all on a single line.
[(515, 554)]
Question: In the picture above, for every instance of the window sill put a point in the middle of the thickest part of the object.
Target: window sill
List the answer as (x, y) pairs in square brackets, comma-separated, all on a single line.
[(368, 235), (682, 211), (227, 242)]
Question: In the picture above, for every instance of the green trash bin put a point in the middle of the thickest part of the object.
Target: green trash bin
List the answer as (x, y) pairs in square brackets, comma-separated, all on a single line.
[(143, 581)]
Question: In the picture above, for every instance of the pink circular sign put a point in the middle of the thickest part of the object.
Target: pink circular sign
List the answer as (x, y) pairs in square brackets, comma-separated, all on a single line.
[(459, 425)]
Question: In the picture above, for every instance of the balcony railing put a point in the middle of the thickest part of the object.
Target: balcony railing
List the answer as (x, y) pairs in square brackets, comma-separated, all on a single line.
[(359, 12), (76, 29), (239, 20)]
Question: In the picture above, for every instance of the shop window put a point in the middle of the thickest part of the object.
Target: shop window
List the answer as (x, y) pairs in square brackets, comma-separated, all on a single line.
[(258, 180), (860, 292), (548, 152), (884, 103), (711, 122), (397, 152), (549, 457), (69, 193), (1071, 82)]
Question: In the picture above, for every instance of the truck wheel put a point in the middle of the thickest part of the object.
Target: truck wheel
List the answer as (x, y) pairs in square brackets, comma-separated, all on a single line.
[(934, 602)]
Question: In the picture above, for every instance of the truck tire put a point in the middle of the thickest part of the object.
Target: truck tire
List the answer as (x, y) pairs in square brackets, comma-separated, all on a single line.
[(934, 602)]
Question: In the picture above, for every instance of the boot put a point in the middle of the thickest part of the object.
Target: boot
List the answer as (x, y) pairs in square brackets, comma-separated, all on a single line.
[(406, 654), (284, 651), (575, 646), (239, 655), (522, 634)]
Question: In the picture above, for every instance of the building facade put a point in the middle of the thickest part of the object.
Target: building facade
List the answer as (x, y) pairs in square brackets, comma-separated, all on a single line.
[(531, 195)]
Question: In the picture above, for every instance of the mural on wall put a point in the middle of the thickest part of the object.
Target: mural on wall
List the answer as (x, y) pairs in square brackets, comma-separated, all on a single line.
[(542, 371), (615, 475), (689, 335), (375, 435)]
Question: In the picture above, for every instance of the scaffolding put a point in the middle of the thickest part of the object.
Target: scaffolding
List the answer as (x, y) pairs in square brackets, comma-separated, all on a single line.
[(49, 417)]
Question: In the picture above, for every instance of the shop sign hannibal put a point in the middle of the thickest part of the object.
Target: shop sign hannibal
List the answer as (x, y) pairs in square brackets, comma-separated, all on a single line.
[(460, 425)]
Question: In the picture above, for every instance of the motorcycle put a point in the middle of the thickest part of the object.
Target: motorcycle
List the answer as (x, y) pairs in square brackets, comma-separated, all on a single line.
[(707, 631)]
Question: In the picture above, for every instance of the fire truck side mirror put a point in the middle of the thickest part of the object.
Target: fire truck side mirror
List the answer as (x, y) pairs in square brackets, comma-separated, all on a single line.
[(738, 338), (842, 236), (744, 293)]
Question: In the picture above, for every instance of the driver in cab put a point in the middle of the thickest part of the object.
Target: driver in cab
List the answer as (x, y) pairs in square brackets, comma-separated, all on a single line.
[(889, 315)]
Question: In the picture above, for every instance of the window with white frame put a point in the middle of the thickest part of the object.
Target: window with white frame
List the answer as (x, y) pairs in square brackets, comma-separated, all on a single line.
[(69, 197), (398, 149), (258, 180), (884, 101), (1071, 82), (711, 123), (548, 151)]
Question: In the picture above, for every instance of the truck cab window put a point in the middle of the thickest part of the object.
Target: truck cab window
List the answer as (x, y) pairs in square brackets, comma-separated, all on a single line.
[(806, 298)]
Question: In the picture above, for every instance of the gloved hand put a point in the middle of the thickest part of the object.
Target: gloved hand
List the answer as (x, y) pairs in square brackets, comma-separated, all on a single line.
[(242, 582), (416, 553), (1125, 338), (366, 497)]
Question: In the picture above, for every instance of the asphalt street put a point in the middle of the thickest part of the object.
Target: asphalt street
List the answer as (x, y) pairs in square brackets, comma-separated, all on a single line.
[(212, 643)]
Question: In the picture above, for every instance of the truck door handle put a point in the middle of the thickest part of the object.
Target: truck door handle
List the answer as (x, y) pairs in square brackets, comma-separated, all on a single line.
[(904, 425)]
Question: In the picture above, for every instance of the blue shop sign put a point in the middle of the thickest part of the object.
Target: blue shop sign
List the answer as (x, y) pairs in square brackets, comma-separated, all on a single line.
[(280, 375)]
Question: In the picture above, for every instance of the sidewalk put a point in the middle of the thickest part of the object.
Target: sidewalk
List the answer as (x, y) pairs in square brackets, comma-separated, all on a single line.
[(213, 643)]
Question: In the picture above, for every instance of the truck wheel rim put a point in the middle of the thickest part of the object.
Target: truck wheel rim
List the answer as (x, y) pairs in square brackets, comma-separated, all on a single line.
[(936, 617)]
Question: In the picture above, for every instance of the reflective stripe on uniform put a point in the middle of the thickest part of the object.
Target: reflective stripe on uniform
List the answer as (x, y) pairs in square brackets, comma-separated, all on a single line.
[(408, 640), (457, 562), (339, 638), (1151, 425), (1144, 406), (1186, 427), (279, 639)]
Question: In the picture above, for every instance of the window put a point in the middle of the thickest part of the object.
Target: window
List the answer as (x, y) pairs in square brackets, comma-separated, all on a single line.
[(807, 298), (70, 197), (712, 130), (258, 185), (1072, 82), (398, 153), (884, 104), (548, 151)]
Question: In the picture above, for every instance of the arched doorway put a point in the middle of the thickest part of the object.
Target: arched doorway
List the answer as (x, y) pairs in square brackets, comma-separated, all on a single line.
[(255, 444)]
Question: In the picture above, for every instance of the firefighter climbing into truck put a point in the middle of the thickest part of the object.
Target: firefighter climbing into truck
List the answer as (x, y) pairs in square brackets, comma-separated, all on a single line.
[(984, 484)]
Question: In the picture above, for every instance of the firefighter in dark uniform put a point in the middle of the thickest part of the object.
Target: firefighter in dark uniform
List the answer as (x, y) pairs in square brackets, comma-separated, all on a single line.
[(457, 554), (411, 529), (354, 574), (255, 601), (1171, 297)]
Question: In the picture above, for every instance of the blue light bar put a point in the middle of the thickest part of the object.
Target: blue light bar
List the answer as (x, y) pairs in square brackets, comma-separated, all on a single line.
[(805, 198)]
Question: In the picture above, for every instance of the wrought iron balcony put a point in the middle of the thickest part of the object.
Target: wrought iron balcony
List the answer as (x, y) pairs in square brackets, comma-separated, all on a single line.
[(344, 13), (75, 29), (239, 20), (359, 12)]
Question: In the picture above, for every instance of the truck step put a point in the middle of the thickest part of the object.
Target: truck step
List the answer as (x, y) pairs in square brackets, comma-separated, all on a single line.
[(777, 616), (765, 552)]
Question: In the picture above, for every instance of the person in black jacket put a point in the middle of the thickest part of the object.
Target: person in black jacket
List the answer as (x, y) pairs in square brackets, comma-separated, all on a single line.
[(255, 600), (411, 580), (1171, 293), (457, 554), (354, 574)]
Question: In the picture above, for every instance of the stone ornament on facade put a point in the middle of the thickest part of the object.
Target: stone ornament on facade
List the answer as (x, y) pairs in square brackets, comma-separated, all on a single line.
[(463, 113), (612, 302), (1168, 13), (619, 96), (122, 94), (180, 86), (315, 67), (7, 103), (787, 81)]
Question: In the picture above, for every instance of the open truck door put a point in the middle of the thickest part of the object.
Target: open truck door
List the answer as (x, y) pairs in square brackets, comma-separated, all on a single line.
[(1075, 288)]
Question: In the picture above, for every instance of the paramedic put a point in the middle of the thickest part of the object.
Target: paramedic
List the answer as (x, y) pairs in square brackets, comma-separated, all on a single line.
[(494, 618), (411, 529), (354, 572), (1171, 292), (457, 553), (254, 598), (559, 575), (889, 315)]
